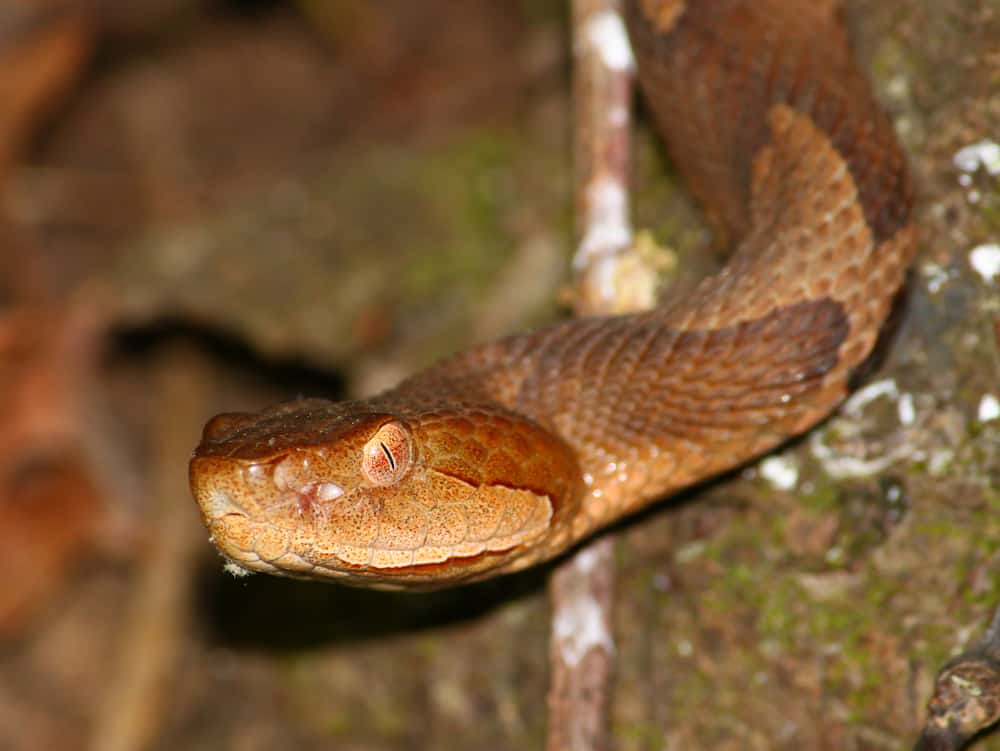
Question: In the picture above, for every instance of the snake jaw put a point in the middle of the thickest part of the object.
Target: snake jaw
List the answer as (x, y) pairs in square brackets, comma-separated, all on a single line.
[(285, 515), (380, 499)]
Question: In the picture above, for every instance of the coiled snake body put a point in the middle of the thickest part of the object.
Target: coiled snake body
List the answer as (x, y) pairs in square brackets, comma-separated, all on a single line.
[(507, 454)]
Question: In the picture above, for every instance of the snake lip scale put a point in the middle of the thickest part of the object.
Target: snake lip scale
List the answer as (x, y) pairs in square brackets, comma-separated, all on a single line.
[(509, 453)]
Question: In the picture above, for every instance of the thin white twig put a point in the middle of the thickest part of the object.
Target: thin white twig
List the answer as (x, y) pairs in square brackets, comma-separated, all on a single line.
[(582, 590)]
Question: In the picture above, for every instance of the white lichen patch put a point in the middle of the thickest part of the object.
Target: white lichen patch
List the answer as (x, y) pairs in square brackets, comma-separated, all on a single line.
[(607, 232), (841, 466), (906, 409), (607, 225), (985, 154), (579, 627), (606, 32), (865, 396), (939, 461), (937, 276), (843, 448), (689, 552), (830, 586), (985, 261), (586, 560), (782, 472), (989, 408)]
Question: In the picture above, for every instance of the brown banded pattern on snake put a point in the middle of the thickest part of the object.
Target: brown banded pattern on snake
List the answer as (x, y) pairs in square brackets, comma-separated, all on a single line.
[(509, 453)]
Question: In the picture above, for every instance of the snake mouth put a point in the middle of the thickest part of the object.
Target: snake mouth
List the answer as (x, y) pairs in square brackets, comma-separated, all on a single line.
[(262, 515), (282, 516)]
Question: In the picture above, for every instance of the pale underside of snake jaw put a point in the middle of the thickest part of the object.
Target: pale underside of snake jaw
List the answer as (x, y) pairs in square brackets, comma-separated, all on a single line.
[(508, 454)]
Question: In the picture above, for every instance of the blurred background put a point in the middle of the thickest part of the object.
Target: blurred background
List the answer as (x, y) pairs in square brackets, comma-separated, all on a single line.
[(211, 205)]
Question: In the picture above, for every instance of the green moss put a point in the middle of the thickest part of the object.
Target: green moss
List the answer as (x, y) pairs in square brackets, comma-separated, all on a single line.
[(934, 528), (990, 209), (823, 495), (639, 734), (464, 186), (778, 618), (544, 12), (338, 723)]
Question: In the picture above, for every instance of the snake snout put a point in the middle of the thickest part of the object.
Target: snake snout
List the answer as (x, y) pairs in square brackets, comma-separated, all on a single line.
[(219, 503), (216, 489)]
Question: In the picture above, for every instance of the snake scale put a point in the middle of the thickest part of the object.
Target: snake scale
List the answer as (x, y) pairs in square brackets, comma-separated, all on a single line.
[(509, 453)]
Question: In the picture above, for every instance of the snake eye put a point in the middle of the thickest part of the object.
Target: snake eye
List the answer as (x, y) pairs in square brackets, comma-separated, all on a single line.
[(387, 455)]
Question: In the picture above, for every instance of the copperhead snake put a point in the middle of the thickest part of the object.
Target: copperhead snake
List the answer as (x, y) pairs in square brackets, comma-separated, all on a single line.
[(510, 453)]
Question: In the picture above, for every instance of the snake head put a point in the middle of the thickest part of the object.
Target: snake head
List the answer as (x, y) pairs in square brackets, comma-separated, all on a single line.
[(346, 491)]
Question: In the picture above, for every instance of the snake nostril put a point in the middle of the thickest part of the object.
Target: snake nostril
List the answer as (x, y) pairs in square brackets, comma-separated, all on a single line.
[(220, 503)]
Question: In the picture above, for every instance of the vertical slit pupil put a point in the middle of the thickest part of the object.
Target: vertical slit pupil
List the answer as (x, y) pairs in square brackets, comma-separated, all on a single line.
[(388, 456)]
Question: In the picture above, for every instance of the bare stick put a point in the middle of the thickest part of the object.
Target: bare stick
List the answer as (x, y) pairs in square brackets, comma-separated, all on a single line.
[(582, 590), (603, 73), (966, 696), (153, 640)]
